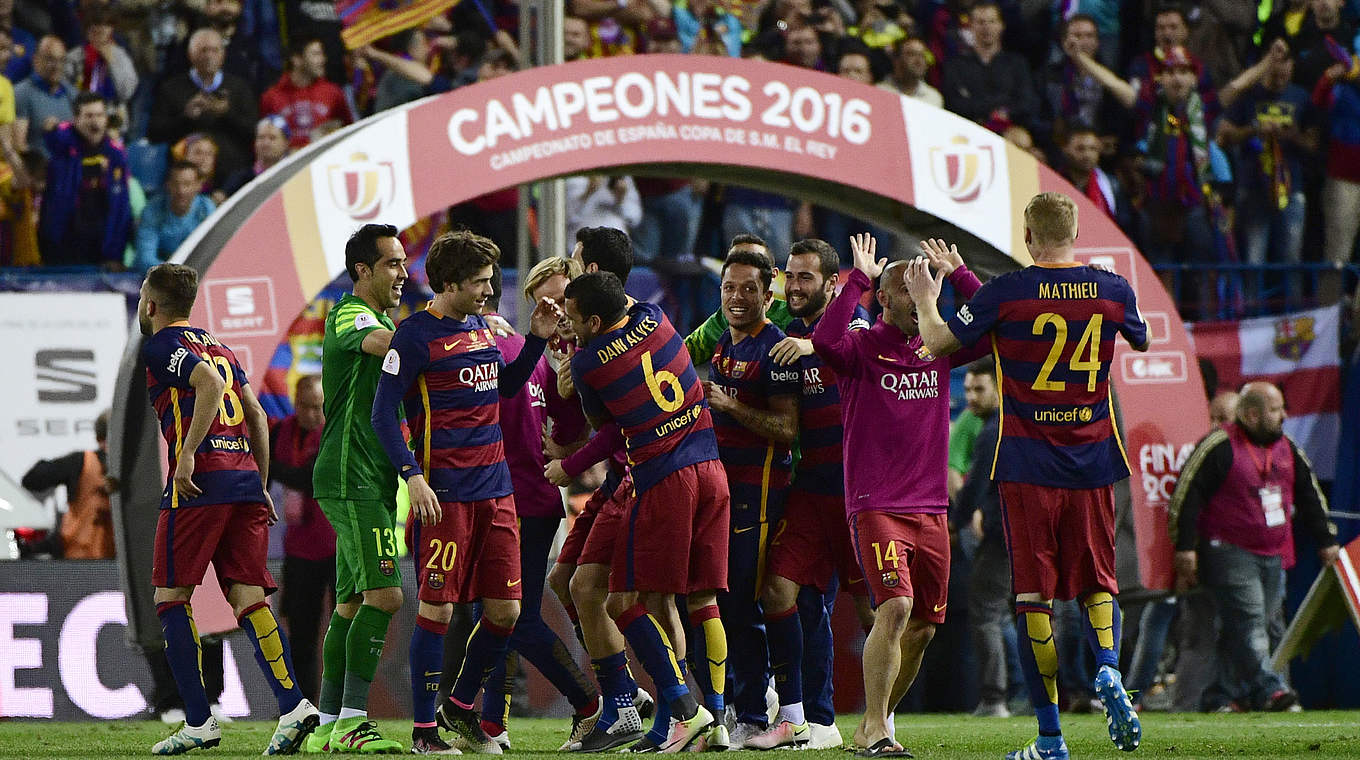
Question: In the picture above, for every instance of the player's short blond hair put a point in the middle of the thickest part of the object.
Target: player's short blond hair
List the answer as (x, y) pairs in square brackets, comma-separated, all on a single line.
[(546, 270), (1051, 219)]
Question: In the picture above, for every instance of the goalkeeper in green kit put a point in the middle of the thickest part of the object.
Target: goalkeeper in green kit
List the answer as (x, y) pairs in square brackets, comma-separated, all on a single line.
[(357, 488)]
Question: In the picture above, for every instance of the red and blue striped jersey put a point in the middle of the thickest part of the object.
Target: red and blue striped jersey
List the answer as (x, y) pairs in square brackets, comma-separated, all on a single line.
[(639, 374), (447, 374), (1052, 331), (223, 467), (746, 372), (821, 467)]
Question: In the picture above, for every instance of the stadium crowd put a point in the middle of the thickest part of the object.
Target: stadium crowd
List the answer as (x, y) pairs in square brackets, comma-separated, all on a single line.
[(1212, 131)]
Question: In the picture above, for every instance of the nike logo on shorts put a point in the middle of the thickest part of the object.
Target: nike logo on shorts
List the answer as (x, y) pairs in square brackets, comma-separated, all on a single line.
[(512, 584), (743, 530), (939, 607)]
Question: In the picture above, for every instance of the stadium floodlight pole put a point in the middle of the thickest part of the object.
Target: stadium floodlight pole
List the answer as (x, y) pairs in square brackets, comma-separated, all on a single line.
[(540, 43)]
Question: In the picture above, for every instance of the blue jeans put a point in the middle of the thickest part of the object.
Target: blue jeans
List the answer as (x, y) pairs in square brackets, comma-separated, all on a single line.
[(1269, 234), (1153, 626), (1247, 589), (670, 224)]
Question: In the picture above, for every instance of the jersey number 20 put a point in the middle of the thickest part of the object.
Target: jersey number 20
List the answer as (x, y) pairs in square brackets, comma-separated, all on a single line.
[(1089, 345)]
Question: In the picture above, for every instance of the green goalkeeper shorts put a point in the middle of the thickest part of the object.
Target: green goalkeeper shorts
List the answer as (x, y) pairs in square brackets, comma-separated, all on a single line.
[(366, 544)]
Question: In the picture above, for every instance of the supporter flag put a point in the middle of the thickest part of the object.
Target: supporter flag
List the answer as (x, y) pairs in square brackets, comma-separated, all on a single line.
[(1300, 353), (367, 21)]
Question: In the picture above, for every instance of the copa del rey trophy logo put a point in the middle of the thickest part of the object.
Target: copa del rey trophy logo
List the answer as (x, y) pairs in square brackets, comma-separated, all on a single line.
[(962, 170), (362, 188)]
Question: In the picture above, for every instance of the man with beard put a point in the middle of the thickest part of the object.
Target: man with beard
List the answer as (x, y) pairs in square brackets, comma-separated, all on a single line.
[(812, 549), (755, 416), (896, 507), (357, 490), (214, 509), (1231, 514)]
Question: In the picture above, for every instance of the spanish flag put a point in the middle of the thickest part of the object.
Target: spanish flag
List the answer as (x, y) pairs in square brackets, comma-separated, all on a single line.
[(367, 21)]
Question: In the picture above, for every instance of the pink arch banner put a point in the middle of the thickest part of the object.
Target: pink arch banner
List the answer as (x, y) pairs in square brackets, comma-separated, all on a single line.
[(706, 114)]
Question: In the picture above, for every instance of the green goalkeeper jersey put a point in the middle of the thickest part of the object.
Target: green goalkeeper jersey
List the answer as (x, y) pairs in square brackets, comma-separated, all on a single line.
[(705, 337), (351, 463)]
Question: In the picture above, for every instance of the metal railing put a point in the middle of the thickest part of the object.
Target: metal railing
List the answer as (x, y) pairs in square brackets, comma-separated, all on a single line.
[(1236, 291)]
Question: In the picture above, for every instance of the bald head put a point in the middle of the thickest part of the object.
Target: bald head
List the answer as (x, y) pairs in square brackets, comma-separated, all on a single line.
[(1260, 411), (207, 51), (1223, 409), (898, 307), (308, 402)]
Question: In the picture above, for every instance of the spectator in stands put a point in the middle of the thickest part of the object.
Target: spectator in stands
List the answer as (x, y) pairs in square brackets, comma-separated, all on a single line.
[(1324, 24), (207, 100), (20, 64), (1230, 518), (251, 51), (615, 27), (311, 104), (855, 65), (1222, 36), (1081, 166), (595, 200), (803, 48), (271, 146), (101, 65), (393, 88), (1068, 95), (308, 20), (1171, 29), (86, 215), (43, 100), (911, 59), (978, 505), (19, 211), (87, 522), (309, 540), (880, 24), (171, 216), (458, 65), (1174, 128), (19, 178), (1338, 95), (200, 150), (706, 19), (575, 38), (1273, 128), (986, 84)]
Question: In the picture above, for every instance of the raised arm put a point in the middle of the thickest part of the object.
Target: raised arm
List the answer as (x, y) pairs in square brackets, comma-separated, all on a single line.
[(1121, 90), (542, 325), (832, 338), (925, 291)]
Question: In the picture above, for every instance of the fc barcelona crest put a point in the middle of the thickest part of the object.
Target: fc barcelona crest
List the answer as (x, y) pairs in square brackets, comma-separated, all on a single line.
[(434, 580), (387, 566), (1293, 336), (890, 579)]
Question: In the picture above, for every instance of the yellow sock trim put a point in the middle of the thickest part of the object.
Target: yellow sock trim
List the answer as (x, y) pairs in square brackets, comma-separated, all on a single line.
[(715, 645), (198, 645), (1100, 612), (670, 648), (271, 644), (1040, 627)]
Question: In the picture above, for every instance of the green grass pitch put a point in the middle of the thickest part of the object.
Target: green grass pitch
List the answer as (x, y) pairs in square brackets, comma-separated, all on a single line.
[(930, 737)]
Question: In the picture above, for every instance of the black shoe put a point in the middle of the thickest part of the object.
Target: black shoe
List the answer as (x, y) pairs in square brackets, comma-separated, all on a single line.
[(468, 725), (646, 706), (645, 744), (1282, 700), (427, 741)]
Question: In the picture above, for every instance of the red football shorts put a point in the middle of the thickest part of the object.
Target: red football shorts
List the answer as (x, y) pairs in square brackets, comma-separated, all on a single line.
[(674, 538), (471, 553), (580, 528), (598, 548), (1061, 540), (904, 554), (234, 537), (812, 543)]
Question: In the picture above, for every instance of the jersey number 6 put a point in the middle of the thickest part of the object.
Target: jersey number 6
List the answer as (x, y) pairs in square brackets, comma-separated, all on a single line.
[(663, 385)]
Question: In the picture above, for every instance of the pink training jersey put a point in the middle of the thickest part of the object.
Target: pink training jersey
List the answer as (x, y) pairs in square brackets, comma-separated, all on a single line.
[(522, 418), (894, 405)]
